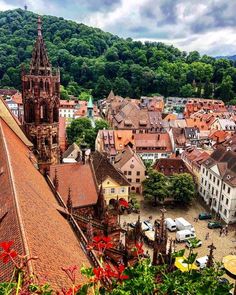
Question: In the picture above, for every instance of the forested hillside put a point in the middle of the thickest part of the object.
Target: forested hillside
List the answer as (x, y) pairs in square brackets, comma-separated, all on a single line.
[(94, 61)]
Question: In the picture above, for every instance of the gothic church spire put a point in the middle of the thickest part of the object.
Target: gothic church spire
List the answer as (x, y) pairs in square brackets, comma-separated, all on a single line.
[(40, 64)]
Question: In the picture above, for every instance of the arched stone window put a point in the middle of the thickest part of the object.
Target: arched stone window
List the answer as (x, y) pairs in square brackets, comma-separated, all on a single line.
[(30, 112), (55, 113), (43, 112), (41, 85)]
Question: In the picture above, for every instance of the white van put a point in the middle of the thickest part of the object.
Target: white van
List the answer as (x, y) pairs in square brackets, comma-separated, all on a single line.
[(182, 224), (170, 224), (201, 262), (184, 235)]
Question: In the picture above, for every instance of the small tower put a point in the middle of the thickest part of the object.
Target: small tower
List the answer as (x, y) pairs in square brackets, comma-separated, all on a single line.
[(160, 243), (90, 108), (41, 100)]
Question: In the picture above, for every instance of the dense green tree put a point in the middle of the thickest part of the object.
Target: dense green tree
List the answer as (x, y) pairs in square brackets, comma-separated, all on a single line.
[(92, 59), (225, 90), (122, 87), (207, 89), (64, 93), (82, 130), (101, 124), (182, 188), (155, 186), (186, 90), (103, 88)]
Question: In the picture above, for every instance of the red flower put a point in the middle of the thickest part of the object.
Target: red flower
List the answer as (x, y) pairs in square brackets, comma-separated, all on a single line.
[(119, 273), (71, 291), (99, 273), (7, 254), (101, 243), (138, 249), (124, 203)]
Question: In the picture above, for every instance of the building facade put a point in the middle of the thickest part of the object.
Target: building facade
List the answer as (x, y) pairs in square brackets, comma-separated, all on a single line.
[(218, 184)]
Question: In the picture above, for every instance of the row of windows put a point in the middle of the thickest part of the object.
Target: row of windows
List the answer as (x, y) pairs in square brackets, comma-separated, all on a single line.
[(115, 190), (130, 173), (224, 188), (213, 178), (137, 180)]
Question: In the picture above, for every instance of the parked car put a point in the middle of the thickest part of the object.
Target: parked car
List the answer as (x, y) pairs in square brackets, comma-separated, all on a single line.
[(184, 235), (214, 224), (201, 262), (204, 215), (193, 243), (149, 237), (146, 225), (183, 224), (170, 224)]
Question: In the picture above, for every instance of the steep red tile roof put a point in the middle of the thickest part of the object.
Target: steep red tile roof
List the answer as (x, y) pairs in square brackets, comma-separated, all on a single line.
[(198, 123), (171, 166), (33, 213), (80, 179), (153, 141), (122, 138), (219, 135)]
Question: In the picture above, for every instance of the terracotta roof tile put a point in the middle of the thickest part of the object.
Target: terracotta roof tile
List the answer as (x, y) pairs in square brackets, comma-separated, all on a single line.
[(103, 168), (150, 140), (80, 179), (122, 138), (45, 232), (171, 166)]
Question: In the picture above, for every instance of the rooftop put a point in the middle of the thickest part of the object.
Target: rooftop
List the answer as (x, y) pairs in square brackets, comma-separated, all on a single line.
[(79, 179)]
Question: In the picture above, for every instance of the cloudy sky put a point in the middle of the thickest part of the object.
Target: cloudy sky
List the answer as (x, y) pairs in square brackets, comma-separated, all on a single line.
[(208, 26)]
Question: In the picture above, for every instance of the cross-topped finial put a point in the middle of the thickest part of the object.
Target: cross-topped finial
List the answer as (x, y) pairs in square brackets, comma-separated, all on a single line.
[(39, 26)]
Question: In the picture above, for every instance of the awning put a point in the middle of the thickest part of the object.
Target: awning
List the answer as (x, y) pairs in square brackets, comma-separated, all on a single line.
[(184, 266)]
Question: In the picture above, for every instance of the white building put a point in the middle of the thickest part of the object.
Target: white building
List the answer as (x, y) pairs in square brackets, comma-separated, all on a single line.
[(218, 183)]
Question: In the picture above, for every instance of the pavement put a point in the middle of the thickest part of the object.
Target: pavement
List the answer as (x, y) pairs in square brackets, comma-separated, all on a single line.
[(225, 245)]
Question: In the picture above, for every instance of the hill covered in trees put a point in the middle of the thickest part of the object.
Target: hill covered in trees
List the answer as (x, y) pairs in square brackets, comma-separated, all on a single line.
[(94, 61)]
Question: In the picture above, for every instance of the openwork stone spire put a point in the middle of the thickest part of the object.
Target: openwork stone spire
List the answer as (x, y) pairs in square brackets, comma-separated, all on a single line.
[(40, 64)]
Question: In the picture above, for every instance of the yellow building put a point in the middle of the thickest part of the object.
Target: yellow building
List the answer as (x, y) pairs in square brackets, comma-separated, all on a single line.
[(114, 183)]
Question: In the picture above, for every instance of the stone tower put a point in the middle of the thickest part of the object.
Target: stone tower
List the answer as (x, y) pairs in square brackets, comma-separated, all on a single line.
[(41, 99)]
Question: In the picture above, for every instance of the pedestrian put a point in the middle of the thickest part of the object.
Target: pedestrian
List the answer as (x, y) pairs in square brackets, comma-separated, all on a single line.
[(207, 236), (226, 230), (221, 232)]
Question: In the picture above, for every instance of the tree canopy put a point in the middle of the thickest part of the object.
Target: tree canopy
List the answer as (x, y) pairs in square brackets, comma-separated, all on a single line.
[(182, 188), (155, 186), (81, 129), (94, 62)]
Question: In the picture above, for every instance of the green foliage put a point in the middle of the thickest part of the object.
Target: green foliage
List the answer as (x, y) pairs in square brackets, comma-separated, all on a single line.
[(64, 93), (81, 129), (186, 90), (91, 59), (204, 282), (155, 186), (182, 188), (141, 280)]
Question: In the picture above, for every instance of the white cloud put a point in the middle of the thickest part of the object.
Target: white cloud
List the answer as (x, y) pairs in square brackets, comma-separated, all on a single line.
[(208, 26)]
